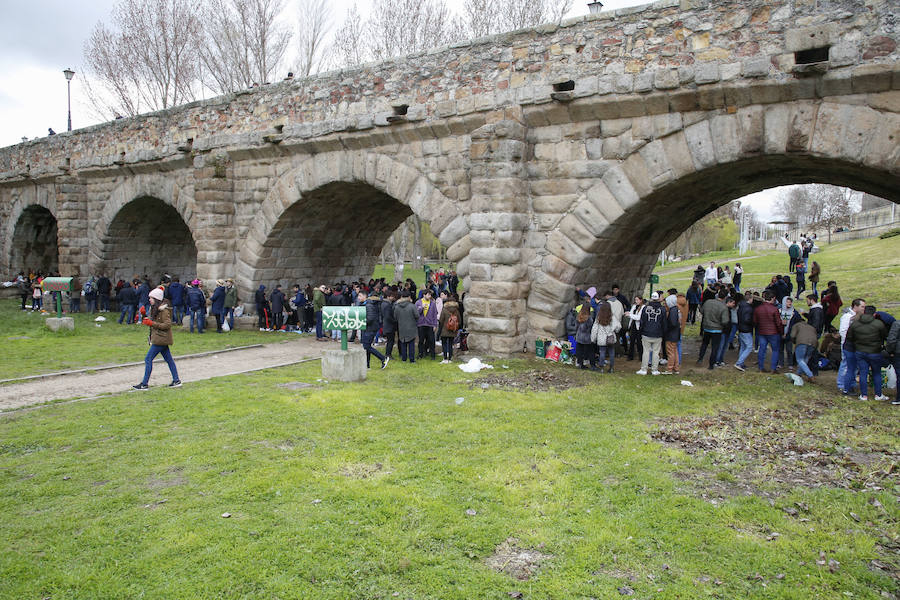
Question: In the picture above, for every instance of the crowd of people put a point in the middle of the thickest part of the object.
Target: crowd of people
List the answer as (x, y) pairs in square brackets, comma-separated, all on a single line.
[(765, 322)]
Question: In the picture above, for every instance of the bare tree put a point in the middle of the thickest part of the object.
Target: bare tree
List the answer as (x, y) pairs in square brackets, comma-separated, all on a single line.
[(313, 26), (396, 28), (244, 43), (146, 59), (486, 17), (398, 247)]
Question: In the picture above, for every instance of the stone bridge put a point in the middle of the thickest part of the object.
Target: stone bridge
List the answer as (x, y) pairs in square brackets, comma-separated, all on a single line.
[(543, 158)]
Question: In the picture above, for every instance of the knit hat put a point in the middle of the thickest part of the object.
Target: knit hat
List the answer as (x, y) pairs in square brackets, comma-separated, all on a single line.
[(654, 296), (156, 294)]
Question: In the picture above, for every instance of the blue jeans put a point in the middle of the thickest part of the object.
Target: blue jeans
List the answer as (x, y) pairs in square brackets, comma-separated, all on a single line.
[(727, 338), (773, 340), (177, 314), (127, 314), (846, 379), (746, 342), (802, 353), (148, 362), (198, 315), (229, 313), (367, 338), (866, 363)]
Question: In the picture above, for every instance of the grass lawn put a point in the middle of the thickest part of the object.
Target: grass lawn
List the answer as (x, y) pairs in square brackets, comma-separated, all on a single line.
[(866, 268), (548, 482), (30, 348)]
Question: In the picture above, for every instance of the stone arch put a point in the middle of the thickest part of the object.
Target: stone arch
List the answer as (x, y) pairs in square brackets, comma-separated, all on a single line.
[(146, 226), (615, 231), (32, 231), (293, 236)]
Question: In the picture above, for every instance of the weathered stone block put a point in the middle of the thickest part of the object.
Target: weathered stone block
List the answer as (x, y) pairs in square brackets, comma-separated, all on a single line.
[(60, 323), (340, 365), (494, 256), (756, 66), (700, 144), (807, 38)]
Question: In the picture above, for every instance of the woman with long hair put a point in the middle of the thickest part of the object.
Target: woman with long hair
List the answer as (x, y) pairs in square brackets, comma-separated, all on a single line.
[(831, 303), (584, 349), (603, 334)]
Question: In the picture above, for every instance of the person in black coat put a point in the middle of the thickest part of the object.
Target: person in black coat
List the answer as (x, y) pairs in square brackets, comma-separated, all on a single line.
[(389, 322), (277, 299), (104, 287), (373, 324), (263, 309), (128, 300)]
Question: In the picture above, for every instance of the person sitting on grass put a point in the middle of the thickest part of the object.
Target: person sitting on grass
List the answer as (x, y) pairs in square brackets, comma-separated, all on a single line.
[(160, 323)]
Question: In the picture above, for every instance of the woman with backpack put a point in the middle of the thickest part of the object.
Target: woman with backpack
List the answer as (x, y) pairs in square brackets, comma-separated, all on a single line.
[(448, 325)]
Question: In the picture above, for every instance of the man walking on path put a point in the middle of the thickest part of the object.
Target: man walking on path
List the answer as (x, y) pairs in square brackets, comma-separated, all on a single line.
[(373, 324)]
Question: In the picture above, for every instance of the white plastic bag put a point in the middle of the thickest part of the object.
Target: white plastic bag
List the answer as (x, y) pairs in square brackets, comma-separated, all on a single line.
[(473, 366), (890, 381), (238, 311), (225, 326)]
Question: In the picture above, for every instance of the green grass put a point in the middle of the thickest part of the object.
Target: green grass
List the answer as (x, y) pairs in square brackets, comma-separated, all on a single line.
[(417, 275), (862, 268), (122, 498), (30, 348)]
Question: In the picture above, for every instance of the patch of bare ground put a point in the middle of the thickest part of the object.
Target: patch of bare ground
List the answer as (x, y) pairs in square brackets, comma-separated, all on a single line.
[(534, 380), (363, 470), (777, 449), (517, 562)]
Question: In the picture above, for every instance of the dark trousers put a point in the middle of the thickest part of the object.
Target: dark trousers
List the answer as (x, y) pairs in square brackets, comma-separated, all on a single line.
[(390, 336), (426, 341), (634, 341), (447, 347), (127, 314), (712, 340), (104, 302), (279, 319), (407, 349), (24, 297), (367, 338), (692, 313), (263, 317), (319, 332), (586, 352), (220, 318)]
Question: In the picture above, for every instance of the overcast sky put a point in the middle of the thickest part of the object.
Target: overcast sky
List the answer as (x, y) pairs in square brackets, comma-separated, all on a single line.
[(41, 38)]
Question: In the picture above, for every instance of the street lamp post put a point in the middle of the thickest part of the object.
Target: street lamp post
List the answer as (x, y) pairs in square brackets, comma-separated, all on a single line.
[(69, 73), (595, 7)]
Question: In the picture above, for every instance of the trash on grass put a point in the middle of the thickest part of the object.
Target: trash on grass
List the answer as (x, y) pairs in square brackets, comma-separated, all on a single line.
[(460, 400), (474, 365), (686, 383), (795, 378)]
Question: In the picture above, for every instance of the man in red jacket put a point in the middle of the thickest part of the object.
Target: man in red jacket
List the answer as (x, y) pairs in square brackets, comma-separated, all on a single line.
[(769, 328)]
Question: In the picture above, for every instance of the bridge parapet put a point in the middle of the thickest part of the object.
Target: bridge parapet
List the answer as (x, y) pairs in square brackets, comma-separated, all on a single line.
[(627, 60)]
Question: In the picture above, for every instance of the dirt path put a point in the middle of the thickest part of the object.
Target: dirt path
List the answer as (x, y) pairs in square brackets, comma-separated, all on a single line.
[(91, 384)]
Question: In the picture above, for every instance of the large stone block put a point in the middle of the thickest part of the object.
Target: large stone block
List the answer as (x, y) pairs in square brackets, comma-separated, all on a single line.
[(340, 365), (58, 324)]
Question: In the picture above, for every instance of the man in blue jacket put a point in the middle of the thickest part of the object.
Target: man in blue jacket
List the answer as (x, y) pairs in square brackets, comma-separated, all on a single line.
[(176, 291), (196, 303)]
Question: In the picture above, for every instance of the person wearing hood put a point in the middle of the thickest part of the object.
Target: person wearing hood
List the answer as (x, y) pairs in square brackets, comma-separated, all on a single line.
[(159, 320), (816, 315), (318, 301), (745, 330), (652, 329), (584, 347), (217, 304), (405, 313), (789, 316), (262, 309), (277, 299), (196, 302), (448, 325), (672, 334), (867, 335)]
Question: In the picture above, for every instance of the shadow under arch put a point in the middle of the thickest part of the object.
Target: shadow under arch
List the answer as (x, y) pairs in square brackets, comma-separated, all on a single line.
[(147, 236), (328, 218), (34, 243), (629, 246)]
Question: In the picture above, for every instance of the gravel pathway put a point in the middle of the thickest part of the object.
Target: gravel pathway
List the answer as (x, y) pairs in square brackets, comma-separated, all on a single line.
[(91, 384)]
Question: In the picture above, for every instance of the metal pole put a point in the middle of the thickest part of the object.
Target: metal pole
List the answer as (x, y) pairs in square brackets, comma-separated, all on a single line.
[(344, 340), (69, 91)]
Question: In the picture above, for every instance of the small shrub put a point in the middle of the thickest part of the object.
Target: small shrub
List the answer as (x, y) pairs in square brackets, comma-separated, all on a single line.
[(889, 234)]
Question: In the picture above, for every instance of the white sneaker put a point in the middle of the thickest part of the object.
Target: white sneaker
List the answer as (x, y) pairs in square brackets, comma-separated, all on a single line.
[(863, 398), (642, 372), (663, 361), (881, 398), (655, 373)]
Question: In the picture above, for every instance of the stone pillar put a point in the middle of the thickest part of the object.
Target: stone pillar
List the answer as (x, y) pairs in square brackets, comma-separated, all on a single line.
[(72, 224), (495, 269), (213, 216)]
